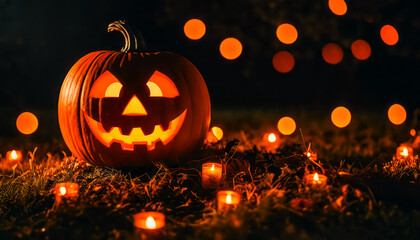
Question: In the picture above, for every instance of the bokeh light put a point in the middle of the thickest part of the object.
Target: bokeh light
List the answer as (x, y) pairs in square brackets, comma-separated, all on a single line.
[(217, 132), (332, 53), (389, 35), (397, 114), (230, 48), (27, 123), (341, 117), (194, 29), (283, 61), (214, 135), (286, 125), (413, 132), (338, 7), (361, 49), (287, 33)]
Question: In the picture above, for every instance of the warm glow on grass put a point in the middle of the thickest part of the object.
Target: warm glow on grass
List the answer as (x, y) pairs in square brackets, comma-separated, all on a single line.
[(230, 48), (287, 33), (361, 49), (332, 53), (27, 123), (194, 29), (338, 7), (341, 117), (397, 114), (283, 61), (389, 35), (286, 125)]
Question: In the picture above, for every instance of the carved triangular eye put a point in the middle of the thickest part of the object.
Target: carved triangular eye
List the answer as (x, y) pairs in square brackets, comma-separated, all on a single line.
[(161, 85), (107, 85)]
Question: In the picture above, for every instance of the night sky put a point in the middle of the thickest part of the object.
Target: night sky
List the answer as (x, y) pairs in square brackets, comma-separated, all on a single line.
[(41, 40)]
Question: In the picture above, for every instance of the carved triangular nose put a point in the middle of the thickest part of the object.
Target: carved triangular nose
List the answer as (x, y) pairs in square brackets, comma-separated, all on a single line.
[(134, 108)]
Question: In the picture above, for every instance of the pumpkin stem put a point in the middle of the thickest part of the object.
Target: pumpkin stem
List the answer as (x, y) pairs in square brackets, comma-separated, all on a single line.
[(133, 40)]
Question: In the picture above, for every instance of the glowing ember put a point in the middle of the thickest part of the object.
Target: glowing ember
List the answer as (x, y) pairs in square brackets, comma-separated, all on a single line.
[(272, 137), (308, 154), (150, 223), (63, 190), (229, 199)]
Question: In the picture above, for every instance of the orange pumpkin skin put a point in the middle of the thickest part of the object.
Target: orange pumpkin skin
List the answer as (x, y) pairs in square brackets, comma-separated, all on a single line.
[(159, 125)]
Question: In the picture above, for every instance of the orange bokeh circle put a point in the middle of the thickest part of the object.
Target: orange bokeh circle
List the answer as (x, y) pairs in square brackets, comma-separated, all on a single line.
[(194, 29), (27, 123), (283, 61), (230, 48)]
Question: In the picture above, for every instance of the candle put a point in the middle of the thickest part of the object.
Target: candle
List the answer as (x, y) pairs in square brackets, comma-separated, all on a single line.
[(148, 225), (227, 200), (66, 192), (404, 152), (14, 156), (271, 142), (316, 180), (211, 174)]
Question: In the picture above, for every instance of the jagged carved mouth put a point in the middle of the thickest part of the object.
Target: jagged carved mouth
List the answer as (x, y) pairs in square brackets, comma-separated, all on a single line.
[(136, 136)]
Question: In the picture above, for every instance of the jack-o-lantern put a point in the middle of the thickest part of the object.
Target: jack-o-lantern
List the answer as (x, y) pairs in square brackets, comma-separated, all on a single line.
[(131, 108)]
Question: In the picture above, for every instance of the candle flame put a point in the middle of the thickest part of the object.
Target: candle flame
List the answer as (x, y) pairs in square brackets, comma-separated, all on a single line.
[(14, 155), (404, 152), (272, 137), (63, 191), (150, 222), (229, 199), (316, 178), (212, 168)]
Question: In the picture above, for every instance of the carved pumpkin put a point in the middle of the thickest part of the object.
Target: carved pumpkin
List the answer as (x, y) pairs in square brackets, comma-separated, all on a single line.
[(130, 108)]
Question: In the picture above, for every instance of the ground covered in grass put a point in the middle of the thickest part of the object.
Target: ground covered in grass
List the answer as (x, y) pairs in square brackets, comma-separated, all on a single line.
[(370, 194)]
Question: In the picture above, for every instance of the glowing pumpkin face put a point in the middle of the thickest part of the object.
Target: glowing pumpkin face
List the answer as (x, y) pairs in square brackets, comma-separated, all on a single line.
[(160, 86), (130, 108)]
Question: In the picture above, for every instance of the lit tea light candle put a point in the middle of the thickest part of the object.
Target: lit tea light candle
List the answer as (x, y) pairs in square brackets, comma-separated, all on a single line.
[(211, 175), (14, 156), (148, 225), (66, 192), (316, 180), (271, 142), (404, 152), (227, 200)]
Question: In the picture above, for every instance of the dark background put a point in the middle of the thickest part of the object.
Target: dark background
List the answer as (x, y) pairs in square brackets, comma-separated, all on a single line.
[(41, 40)]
